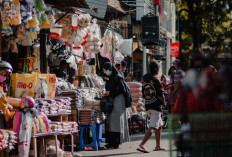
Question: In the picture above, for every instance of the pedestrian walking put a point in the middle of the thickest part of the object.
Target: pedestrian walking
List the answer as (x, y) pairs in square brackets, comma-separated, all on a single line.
[(117, 124), (179, 75), (154, 102), (171, 73)]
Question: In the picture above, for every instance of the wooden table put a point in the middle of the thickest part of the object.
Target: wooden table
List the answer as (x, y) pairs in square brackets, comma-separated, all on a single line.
[(55, 135)]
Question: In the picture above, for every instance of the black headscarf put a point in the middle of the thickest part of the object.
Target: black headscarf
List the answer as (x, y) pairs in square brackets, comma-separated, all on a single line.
[(109, 66)]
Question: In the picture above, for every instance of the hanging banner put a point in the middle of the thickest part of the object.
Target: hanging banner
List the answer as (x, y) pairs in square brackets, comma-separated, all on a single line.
[(174, 49)]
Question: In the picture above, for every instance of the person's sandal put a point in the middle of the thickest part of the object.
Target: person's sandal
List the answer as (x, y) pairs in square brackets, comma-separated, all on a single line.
[(159, 149), (142, 150)]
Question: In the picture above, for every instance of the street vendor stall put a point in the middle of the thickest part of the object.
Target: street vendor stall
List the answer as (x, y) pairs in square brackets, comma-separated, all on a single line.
[(50, 46)]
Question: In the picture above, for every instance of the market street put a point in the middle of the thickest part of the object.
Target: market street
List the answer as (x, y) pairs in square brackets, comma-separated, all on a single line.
[(129, 149)]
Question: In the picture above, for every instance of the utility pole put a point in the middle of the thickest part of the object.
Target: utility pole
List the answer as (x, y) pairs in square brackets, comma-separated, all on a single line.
[(144, 60)]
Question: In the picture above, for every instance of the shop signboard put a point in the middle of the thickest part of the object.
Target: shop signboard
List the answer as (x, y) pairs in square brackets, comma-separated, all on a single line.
[(174, 49)]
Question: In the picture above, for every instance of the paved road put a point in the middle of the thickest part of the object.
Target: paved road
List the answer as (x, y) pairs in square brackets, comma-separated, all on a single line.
[(129, 149)]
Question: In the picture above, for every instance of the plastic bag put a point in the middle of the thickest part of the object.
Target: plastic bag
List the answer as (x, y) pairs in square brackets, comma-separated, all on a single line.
[(39, 5)]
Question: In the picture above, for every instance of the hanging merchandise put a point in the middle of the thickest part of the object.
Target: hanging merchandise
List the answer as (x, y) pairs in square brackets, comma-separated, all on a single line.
[(23, 122), (44, 23), (77, 39), (39, 5), (55, 32), (50, 17), (66, 33), (72, 62), (84, 20), (16, 17), (65, 22), (118, 57), (6, 18), (26, 10), (75, 19), (94, 41), (79, 36), (34, 21)]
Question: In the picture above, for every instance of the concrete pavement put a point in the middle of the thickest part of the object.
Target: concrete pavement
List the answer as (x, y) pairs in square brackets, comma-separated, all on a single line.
[(129, 149)]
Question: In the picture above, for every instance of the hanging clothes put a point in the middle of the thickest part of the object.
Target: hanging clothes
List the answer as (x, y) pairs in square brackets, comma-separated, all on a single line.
[(23, 128)]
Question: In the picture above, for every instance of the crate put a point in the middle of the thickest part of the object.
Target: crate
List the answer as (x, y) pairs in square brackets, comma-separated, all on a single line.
[(202, 135)]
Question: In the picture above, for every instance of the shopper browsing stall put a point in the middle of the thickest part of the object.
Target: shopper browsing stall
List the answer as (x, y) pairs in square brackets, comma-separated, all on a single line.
[(116, 125), (5, 71), (124, 70)]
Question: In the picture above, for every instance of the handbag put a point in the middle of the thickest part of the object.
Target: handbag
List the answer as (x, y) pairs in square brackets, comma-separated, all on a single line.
[(107, 104)]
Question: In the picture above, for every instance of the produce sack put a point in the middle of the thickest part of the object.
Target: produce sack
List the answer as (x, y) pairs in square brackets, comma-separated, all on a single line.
[(134, 84), (41, 90), (51, 83), (25, 85)]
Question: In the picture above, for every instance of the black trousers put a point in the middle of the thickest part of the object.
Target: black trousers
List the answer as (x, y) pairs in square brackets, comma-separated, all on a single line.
[(113, 138)]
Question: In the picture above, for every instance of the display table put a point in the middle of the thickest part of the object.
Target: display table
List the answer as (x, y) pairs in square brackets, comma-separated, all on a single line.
[(42, 136)]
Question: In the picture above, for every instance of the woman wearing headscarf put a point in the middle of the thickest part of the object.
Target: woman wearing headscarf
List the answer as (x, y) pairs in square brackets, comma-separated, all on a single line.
[(116, 124)]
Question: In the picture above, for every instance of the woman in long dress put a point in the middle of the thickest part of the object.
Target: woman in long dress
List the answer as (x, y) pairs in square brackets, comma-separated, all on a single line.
[(117, 123)]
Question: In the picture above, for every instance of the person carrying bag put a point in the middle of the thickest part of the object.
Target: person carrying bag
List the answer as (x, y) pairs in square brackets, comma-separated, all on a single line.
[(116, 124)]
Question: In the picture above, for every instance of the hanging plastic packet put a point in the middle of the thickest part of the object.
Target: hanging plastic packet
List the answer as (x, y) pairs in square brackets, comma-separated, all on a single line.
[(26, 12), (39, 5), (50, 16), (16, 17), (44, 21), (75, 21)]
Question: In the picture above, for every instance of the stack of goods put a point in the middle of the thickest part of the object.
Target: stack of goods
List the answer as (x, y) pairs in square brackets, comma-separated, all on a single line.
[(92, 104), (86, 117), (76, 99), (58, 105), (137, 100), (61, 85), (41, 124), (63, 126), (7, 139), (51, 148), (90, 81)]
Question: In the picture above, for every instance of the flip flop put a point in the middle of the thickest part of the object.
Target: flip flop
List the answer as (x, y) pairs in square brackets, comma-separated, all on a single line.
[(142, 150), (159, 149)]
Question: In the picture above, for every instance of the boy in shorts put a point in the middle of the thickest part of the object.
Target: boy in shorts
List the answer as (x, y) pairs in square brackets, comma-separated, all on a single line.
[(154, 102)]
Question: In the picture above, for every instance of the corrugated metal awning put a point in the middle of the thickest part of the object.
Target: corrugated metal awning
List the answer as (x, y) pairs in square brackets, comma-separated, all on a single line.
[(116, 5), (67, 4), (101, 6)]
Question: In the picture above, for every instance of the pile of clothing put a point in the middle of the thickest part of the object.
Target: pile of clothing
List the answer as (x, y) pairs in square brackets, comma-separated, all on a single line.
[(7, 139), (56, 105), (63, 126), (41, 124)]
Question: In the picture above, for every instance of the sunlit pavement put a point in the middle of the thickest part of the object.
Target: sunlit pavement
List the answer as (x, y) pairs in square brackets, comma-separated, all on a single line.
[(129, 148)]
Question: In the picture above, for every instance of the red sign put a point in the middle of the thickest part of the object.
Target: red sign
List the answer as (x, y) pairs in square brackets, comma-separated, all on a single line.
[(157, 2), (174, 49)]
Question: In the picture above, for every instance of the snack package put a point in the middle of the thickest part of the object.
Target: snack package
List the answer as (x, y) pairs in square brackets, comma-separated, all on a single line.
[(25, 85)]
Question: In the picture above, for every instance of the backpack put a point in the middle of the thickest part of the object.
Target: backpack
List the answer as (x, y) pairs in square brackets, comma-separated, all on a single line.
[(127, 95)]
